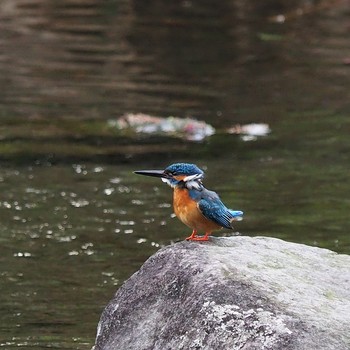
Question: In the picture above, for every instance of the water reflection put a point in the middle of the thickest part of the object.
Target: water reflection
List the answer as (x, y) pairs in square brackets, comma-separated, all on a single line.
[(100, 59)]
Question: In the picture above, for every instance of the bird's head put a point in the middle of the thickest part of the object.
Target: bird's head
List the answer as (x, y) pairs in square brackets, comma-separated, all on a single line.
[(178, 174)]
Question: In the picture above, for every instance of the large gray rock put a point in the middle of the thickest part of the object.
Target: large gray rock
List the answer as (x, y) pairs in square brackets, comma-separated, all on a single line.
[(232, 293)]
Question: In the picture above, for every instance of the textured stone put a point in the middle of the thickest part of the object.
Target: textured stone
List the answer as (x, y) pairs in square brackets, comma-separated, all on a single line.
[(232, 293)]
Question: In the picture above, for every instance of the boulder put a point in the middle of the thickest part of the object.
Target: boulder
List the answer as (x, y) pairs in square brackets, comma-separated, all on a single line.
[(232, 293)]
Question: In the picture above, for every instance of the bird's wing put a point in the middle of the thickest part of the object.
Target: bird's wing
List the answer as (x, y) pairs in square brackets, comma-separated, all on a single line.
[(213, 209)]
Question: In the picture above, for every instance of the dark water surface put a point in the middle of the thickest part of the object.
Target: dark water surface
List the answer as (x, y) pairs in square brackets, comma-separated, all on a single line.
[(75, 222)]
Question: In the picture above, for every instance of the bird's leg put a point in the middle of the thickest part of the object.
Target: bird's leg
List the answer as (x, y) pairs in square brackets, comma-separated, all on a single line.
[(193, 236), (202, 238)]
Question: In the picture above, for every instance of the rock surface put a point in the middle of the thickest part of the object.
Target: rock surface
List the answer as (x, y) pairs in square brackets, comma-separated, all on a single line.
[(232, 293)]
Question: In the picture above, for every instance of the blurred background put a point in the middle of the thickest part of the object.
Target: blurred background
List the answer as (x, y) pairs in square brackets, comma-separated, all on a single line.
[(76, 222)]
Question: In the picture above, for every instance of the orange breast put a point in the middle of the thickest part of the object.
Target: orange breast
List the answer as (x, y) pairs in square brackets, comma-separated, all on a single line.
[(187, 211)]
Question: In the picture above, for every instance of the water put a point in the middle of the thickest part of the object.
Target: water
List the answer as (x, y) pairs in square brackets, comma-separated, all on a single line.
[(56, 255), (75, 222)]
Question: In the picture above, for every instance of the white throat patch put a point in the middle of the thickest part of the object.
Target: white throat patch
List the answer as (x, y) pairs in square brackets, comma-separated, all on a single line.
[(168, 182)]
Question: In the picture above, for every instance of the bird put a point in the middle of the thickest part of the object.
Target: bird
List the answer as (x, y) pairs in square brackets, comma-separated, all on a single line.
[(197, 207)]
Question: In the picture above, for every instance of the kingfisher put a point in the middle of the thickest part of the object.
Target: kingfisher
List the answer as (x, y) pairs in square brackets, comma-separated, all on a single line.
[(197, 207)]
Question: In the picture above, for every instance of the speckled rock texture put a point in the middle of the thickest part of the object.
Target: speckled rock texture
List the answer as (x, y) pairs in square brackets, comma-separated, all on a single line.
[(232, 293)]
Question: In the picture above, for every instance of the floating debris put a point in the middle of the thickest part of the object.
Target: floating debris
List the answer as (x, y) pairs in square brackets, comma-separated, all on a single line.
[(187, 128), (250, 132)]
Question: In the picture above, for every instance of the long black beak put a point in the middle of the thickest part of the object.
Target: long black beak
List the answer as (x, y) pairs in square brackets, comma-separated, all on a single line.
[(154, 173)]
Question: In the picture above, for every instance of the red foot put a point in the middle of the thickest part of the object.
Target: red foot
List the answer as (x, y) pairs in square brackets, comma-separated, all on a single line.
[(193, 236), (196, 238)]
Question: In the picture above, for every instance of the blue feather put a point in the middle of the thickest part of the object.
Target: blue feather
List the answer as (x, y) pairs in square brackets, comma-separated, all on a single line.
[(213, 209), (183, 169), (237, 214)]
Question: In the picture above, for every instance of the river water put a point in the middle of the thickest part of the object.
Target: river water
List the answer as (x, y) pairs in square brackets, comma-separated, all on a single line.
[(76, 222)]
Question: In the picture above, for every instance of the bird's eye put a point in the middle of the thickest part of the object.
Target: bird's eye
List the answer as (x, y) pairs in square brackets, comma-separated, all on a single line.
[(170, 173)]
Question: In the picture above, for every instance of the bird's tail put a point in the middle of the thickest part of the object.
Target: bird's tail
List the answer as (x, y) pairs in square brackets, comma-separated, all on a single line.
[(237, 215)]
